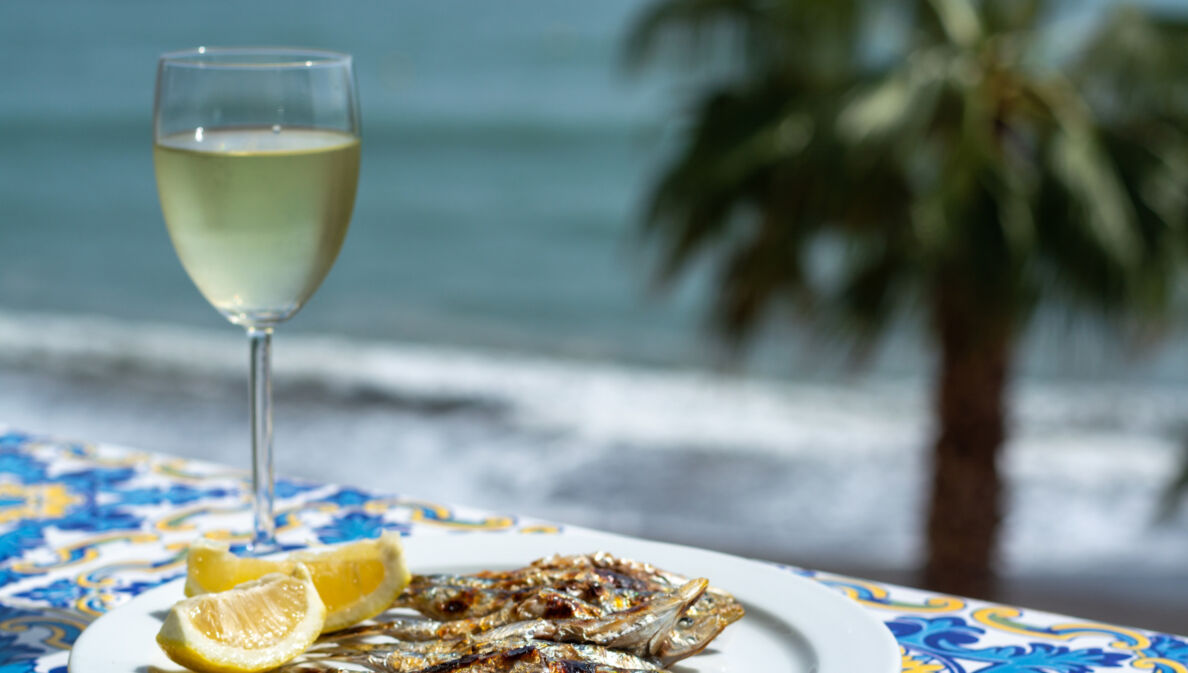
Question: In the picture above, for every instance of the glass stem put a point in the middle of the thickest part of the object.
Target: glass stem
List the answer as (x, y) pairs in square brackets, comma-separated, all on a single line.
[(260, 384)]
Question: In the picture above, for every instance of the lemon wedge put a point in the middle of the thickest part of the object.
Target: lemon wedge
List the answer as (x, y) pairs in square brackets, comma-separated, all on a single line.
[(254, 627), (356, 581)]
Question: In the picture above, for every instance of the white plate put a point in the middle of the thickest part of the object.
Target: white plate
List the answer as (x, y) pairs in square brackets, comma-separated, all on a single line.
[(792, 625)]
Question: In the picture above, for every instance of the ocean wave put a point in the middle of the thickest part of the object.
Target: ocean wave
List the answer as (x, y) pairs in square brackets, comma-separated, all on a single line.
[(841, 464), (591, 399)]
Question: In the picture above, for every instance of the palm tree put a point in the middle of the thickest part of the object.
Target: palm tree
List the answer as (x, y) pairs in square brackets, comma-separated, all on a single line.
[(968, 169)]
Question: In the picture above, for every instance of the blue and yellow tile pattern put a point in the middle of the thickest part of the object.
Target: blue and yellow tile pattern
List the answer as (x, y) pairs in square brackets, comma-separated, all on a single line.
[(83, 528)]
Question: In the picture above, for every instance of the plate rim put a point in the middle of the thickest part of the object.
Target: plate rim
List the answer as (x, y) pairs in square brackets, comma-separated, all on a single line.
[(879, 652)]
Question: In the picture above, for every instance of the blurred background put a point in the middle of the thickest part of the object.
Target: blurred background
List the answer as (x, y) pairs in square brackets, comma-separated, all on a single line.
[(493, 332)]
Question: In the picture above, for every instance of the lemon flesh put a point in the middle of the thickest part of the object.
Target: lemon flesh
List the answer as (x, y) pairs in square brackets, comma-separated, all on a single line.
[(355, 581), (256, 626)]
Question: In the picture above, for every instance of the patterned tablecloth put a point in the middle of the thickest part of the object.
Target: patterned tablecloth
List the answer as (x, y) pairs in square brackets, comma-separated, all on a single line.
[(84, 527)]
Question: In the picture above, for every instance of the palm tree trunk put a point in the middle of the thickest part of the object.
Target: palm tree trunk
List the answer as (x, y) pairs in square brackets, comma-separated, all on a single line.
[(964, 512)]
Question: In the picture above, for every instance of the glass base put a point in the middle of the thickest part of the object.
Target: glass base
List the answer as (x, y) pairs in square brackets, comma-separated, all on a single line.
[(261, 318)]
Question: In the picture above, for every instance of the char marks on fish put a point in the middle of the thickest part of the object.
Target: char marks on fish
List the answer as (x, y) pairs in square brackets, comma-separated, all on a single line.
[(593, 613)]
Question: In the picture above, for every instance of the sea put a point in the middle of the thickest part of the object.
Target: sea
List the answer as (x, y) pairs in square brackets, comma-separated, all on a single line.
[(492, 332)]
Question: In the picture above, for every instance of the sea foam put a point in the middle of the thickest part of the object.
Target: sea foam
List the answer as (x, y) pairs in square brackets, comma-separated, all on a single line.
[(813, 470)]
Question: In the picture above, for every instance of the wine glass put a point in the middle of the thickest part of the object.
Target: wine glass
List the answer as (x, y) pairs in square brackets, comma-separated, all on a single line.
[(257, 158)]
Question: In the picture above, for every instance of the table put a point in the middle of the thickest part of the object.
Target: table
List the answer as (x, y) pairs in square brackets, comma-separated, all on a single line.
[(84, 527)]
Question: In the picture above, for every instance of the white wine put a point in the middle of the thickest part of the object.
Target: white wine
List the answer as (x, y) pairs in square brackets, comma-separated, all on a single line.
[(257, 215)]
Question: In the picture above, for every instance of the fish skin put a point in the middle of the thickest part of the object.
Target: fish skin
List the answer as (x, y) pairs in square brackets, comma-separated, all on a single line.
[(703, 621), (639, 629), (541, 603), (646, 574), (596, 654), (415, 643), (693, 634), (396, 626), (510, 655), (525, 659), (614, 613), (448, 597), (600, 578), (444, 598)]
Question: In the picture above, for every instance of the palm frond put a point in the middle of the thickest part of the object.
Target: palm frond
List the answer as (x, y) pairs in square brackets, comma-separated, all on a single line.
[(760, 272), (871, 294), (962, 161), (960, 20), (1134, 65), (897, 105), (688, 25), (1008, 16), (739, 135), (1096, 194)]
